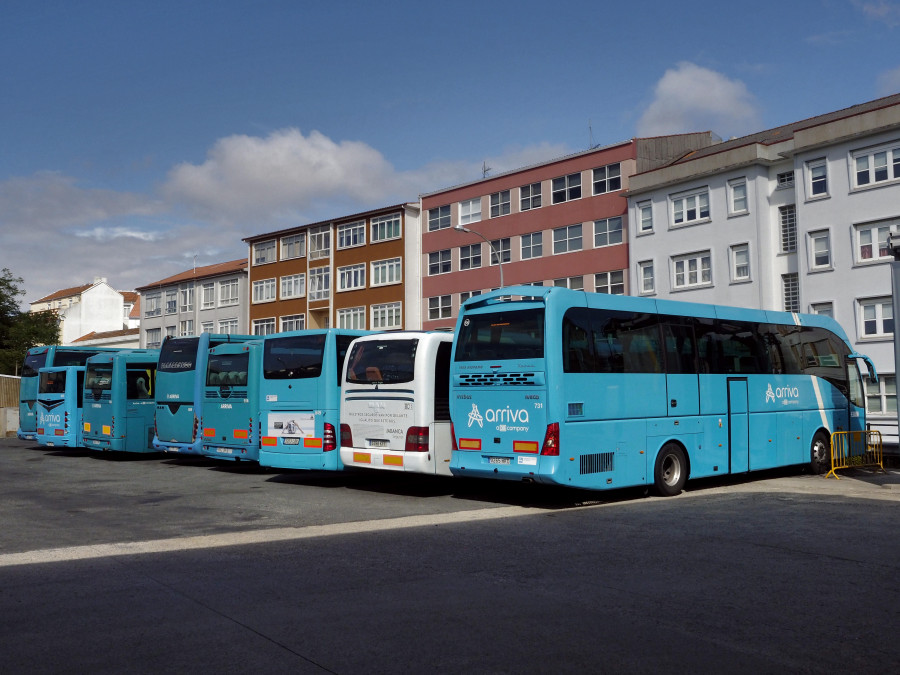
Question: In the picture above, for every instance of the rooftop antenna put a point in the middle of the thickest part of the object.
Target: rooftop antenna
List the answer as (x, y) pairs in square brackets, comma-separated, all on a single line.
[(591, 145), (485, 169), (195, 263)]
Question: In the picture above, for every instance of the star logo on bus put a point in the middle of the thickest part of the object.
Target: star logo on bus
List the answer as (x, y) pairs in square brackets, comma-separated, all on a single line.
[(475, 416)]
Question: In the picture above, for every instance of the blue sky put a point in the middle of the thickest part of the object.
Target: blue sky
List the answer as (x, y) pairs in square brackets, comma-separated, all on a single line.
[(136, 135)]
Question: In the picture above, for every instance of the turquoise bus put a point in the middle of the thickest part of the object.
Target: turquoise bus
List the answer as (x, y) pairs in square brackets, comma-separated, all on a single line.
[(395, 402), (118, 401), (59, 406), (604, 391), (44, 357), (300, 398), (180, 385), (230, 420)]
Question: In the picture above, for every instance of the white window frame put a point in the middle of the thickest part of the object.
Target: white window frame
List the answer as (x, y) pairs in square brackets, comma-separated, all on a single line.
[(869, 160), (875, 237), (293, 286), (264, 290), (439, 218), (611, 283), (784, 180), (565, 188), (320, 242), (881, 312), (171, 331), (567, 243), (738, 197), (438, 260), (607, 178), (529, 199), (500, 203), (465, 295), (228, 326), (186, 327), (822, 308), (264, 252), (694, 270), (790, 292), (646, 277), (264, 326), (386, 228), (470, 211), (229, 292), (501, 251), (319, 284), (208, 295), (293, 246), (187, 298), (575, 283), (153, 337), (387, 316), (609, 232), (534, 248), (813, 239), (440, 307), (387, 272), (787, 219), (885, 393), (291, 322), (351, 277), (153, 304), (207, 326), (353, 318), (172, 301), (690, 208), (645, 217), (470, 257), (816, 179), (735, 254), (351, 235)]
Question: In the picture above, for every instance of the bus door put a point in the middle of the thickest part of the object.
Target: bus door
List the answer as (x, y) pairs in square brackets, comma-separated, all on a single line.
[(682, 378), (738, 425)]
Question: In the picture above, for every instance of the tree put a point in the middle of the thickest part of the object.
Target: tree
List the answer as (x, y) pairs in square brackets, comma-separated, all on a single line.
[(20, 331)]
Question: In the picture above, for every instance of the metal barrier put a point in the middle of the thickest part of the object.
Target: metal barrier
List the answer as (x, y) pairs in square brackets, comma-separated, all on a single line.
[(853, 449), (9, 391)]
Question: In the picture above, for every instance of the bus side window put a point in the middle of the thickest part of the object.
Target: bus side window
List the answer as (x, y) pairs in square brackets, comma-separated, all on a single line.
[(678, 338), (577, 353), (442, 382)]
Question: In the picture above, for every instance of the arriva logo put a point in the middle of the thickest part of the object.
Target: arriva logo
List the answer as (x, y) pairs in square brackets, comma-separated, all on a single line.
[(783, 394), (495, 415), (475, 416)]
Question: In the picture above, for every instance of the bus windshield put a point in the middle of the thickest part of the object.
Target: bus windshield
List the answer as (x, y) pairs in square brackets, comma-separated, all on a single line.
[(227, 369), (53, 383), (382, 361), (294, 357), (178, 355), (500, 336), (33, 363)]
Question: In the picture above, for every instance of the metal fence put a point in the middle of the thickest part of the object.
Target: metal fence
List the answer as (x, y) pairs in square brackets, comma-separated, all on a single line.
[(853, 449), (9, 391)]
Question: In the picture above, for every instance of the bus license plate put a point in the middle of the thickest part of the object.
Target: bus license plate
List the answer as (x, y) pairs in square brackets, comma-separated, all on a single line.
[(377, 443), (498, 460), (292, 441)]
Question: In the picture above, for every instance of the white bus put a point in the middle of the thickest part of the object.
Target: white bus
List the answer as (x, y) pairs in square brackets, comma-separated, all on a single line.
[(395, 402)]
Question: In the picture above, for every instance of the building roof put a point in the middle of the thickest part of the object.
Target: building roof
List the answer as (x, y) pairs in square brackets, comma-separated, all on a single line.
[(199, 273), (105, 335), (64, 293), (342, 219), (130, 296)]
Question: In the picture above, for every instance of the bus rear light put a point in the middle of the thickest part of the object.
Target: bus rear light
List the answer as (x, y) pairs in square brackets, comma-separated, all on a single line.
[(241, 434), (346, 436), (416, 439), (329, 440), (525, 446), (209, 433), (551, 441), (195, 429), (40, 432), (453, 447), (60, 432), (470, 444)]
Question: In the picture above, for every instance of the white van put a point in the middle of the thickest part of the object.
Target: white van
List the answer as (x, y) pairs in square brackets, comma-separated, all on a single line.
[(395, 402)]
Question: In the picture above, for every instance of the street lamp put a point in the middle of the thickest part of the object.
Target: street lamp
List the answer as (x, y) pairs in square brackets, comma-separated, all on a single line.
[(494, 250)]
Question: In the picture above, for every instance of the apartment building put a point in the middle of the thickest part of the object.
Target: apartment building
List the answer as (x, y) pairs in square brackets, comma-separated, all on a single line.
[(794, 218), (563, 223), (357, 271), (90, 308), (211, 298)]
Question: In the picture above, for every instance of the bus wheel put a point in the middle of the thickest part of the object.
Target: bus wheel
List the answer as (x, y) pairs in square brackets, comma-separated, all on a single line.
[(670, 473), (820, 453)]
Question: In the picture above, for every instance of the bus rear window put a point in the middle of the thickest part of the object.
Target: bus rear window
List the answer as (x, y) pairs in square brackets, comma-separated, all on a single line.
[(501, 336), (294, 357), (98, 378), (53, 382), (178, 355), (72, 358), (227, 370), (382, 361), (33, 363)]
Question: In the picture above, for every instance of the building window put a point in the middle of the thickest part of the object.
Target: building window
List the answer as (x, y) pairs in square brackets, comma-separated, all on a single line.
[(608, 232), (264, 290), (790, 285), (228, 326), (172, 302), (208, 296), (439, 218), (293, 246), (293, 322), (737, 196), (566, 239), (387, 316), (692, 270), (228, 292), (881, 398), (567, 188), (470, 257), (612, 283), (573, 283), (170, 331), (187, 299), (872, 241), (788, 217), (386, 227), (186, 327), (439, 262), (607, 179), (439, 307), (645, 209), (501, 248), (386, 272), (740, 262), (877, 317), (530, 197), (264, 326), (785, 179), (319, 283), (470, 211), (352, 277), (264, 252), (818, 178), (465, 295), (822, 308), (352, 317), (352, 234), (320, 242), (153, 305), (500, 203), (293, 286), (819, 250), (646, 278), (207, 326), (532, 245), (690, 208), (154, 338), (876, 166)]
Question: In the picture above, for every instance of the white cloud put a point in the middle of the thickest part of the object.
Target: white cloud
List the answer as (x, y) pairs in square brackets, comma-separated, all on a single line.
[(692, 98), (106, 233), (889, 82), (887, 13)]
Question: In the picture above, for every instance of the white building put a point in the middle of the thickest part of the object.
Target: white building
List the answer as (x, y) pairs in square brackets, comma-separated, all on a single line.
[(91, 308), (794, 218)]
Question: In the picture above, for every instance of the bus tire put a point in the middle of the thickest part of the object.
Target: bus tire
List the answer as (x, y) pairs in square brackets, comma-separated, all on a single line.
[(820, 453), (670, 472)]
